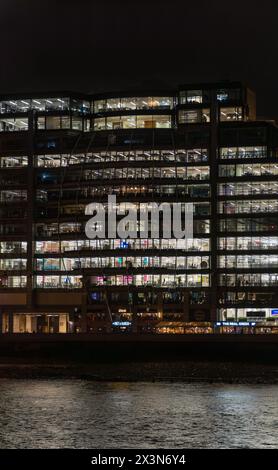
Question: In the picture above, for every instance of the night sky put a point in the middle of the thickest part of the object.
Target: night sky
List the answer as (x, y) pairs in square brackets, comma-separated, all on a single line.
[(94, 46)]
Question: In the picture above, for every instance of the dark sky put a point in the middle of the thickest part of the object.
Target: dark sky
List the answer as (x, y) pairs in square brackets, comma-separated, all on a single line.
[(91, 45)]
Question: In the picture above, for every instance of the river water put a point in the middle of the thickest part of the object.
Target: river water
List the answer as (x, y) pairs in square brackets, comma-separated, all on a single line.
[(84, 414)]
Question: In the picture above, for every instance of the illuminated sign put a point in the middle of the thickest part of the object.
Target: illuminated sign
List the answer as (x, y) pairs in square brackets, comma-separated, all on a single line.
[(121, 323), (274, 311)]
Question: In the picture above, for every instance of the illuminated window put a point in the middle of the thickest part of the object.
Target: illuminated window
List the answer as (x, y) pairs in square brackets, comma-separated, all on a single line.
[(130, 122), (194, 116), (243, 152), (233, 113), (228, 94), (13, 247), (13, 124), (13, 106), (191, 96), (13, 162), (133, 103)]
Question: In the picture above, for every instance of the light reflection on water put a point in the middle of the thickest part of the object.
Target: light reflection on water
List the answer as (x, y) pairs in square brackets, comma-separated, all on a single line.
[(83, 414)]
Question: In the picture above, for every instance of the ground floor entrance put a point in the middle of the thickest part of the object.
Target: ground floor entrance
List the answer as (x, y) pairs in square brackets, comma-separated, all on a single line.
[(35, 323)]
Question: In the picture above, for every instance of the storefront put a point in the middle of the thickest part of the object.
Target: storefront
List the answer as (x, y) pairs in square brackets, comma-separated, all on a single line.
[(180, 327), (35, 323), (240, 327), (244, 327)]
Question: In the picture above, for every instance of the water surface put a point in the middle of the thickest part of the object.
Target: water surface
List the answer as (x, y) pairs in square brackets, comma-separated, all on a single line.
[(84, 414)]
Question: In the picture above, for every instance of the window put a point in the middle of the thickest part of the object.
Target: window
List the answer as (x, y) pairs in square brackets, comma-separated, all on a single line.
[(243, 152), (77, 123), (247, 188), (264, 224), (58, 122), (245, 314), (13, 281), (99, 124), (13, 247), (127, 103), (13, 162), (15, 106), (65, 122), (248, 243), (53, 122), (161, 121), (41, 122), (194, 116), (52, 161), (153, 121), (130, 122), (246, 207), (191, 96), (233, 113), (248, 279), (50, 104), (87, 125), (121, 122), (13, 124), (165, 280), (80, 106), (98, 106), (113, 104), (154, 103), (52, 282), (133, 103), (226, 170), (248, 261), (15, 195), (47, 247), (13, 264), (228, 94), (248, 169)]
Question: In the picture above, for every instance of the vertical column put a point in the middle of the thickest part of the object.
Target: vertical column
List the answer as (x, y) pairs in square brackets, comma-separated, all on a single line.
[(11, 322), (30, 209), (213, 204)]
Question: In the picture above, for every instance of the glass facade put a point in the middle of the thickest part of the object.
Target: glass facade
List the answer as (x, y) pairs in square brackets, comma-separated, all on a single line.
[(194, 116), (243, 152), (44, 104), (12, 124), (227, 271), (130, 104), (129, 122), (232, 113)]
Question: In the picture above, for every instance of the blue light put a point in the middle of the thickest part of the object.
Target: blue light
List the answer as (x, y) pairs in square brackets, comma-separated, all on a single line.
[(235, 323), (123, 244), (95, 296)]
